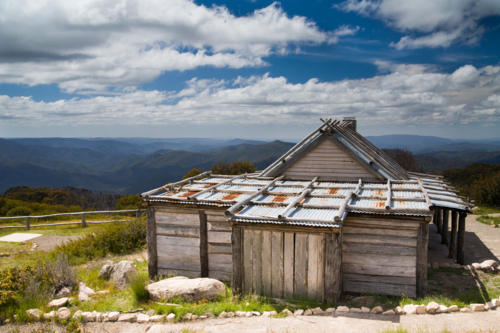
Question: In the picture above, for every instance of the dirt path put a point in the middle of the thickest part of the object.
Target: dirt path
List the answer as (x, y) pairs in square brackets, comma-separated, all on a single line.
[(49, 242), (482, 242)]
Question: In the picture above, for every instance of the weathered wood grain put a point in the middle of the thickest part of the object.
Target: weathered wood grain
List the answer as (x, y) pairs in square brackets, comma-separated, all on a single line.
[(312, 266), (203, 244), (237, 255), (219, 226), (277, 261), (178, 241), (177, 219), (409, 281), (257, 262), (288, 264), (178, 272), (185, 263), (380, 232), (216, 218), (379, 270), (216, 248), (166, 249), (248, 238), (379, 249), (221, 276), (423, 240), (379, 240), (266, 263), (301, 256), (380, 288), (219, 237), (175, 230), (378, 259), (152, 243)]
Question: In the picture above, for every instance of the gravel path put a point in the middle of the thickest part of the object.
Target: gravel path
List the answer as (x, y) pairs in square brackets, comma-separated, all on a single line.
[(49, 242), (482, 242)]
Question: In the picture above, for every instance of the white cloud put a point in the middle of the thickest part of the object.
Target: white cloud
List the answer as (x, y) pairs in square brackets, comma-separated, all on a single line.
[(464, 96), (93, 44), (440, 22)]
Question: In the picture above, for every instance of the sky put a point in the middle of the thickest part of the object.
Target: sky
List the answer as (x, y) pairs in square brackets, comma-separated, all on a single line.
[(249, 69)]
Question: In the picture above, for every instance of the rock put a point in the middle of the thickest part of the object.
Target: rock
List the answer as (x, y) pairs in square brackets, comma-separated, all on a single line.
[(142, 318), (442, 309), (410, 309), (457, 266), (342, 309), (434, 265), (421, 309), (256, 313), (432, 307), (63, 313), (399, 310), (84, 292), (240, 313), (465, 310), (429, 266), (78, 315), (490, 305), (103, 292), (113, 316), (496, 302), (87, 317), (33, 314), (330, 310), (308, 312), (128, 317), (223, 314), (288, 312), (274, 313), (377, 309), (365, 309), (317, 311), (171, 317), (194, 317), (248, 314), (389, 312), (150, 312), (50, 315), (476, 265), (157, 318), (187, 316), (64, 292), (444, 265), (105, 317), (453, 308), (106, 271), (97, 316), (355, 310), (298, 312), (477, 307), (122, 274), (268, 314), (190, 289), (57, 303), (203, 317), (490, 262), (232, 314)]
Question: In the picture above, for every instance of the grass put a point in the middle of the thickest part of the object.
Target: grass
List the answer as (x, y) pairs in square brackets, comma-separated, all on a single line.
[(485, 210), (488, 220)]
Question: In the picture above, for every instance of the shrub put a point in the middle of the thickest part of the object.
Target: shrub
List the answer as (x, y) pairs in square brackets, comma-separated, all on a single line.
[(138, 288), (19, 211), (235, 168), (133, 201)]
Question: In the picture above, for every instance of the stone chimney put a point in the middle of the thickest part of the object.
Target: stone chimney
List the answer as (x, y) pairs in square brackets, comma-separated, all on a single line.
[(352, 122)]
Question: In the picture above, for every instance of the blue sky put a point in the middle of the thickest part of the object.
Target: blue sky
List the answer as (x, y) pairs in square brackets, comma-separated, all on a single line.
[(250, 69)]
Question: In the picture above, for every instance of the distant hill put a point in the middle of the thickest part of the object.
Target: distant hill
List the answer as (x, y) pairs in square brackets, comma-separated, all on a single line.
[(411, 142), (460, 146)]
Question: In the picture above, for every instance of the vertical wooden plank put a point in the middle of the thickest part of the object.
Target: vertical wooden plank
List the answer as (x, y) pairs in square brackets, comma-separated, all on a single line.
[(461, 239), (453, 242), (422, 243), (312, 267), (329, 268), (27, 223), (439, 213), (247, 260), (277, 264), (257, 262), (288, 264), (444, 227), (266, 263), (151, 239), (301, 255), (321, 268), (203, 244), (84, 223), (237, 253)]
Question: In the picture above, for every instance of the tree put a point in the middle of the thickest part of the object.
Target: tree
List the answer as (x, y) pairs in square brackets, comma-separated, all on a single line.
[(405, 159), (193, 172), (486, 190), (234, 168), (133, 201)]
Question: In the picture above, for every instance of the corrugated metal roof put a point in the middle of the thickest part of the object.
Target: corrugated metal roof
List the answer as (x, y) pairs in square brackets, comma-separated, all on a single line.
[(282, 222), (296, 213)]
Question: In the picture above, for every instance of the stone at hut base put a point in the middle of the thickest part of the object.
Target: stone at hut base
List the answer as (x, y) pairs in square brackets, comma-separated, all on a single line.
[(192, 290), (187, 316), (203, 317), (434, 265), (298, 312), (377, 310), (399, 310), (389, 312), (330, 310), (78, 315), (318, 311), (63, 313), (142, 318), (194, 317), (113, 316), (223, 314), (355, 310), (256, 313), (156, 318), (342, 309), (432, 307), (49, 316), (453, 308), (444, 265), (308, 312), (496, 302), (410, 309), (365, 309), (465, 310), (457, 266), (442, 309), (87, 317), (171, 317), (266, 314), (240, 314), (33, 314), (128, 317), (477, 307), (476, 265), (421, 309), (248, 314)]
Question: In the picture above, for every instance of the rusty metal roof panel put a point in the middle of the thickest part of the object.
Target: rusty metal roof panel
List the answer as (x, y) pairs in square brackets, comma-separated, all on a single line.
[(406, 186), (331, 191), (337, 184), (373, 203), (280, 189), (274, 198), (323, 201), (301, 223), (373, 193), (296, 213), (407, 194)]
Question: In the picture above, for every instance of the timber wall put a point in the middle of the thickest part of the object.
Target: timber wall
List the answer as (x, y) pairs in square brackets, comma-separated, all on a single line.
[(328, 161), (380, 255)]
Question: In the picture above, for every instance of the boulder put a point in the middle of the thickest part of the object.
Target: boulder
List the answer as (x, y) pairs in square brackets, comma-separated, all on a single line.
[(318, 311), (33, 314), (355, 310), (194, 317), (442, 309), (187, 316), (150, 312), (257, 313), (223, 314), (490, 262), (191, 290), (57, 303), (341, 309), (444, 265), (377, 309), (77, 315), (63, 313), (496, 302), (84, 292), (50, 315), (97, 316), (142, 318), (267, 314), (122, 274), (476, 265), (421, 309), (171, 317), (477, 307), (453, 308), (465, 310), (240, 313), (128, 317), (156, 318), (88, 316), (410, 309), (330, 310), (113, 316), (389, 312), (298, 312), (490, 305), (248, 314), (365, 309), (64, 292), (399, 310), (308, 312), (105, 317), (105, 272), (432, 307), (434, 265)]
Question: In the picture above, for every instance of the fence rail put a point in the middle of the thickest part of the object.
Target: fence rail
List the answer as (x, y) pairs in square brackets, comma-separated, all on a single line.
[(83, 221)]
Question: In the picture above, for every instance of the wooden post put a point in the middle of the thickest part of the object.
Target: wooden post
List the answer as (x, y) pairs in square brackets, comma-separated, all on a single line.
[(444, 227), (203, 244), (422, 243), (439, 219), (461, 239), (137, 214), (333, 267), (237, 251), (151, 239), (27, 223), (453, 242), (84, 224)]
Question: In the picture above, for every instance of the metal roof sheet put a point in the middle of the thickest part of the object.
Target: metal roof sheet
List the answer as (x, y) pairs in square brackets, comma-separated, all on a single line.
[(300, 223), (297, 213)]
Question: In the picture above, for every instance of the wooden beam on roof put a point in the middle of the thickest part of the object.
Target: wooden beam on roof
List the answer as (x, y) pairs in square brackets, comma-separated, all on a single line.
[(192, 197), (171, 185), (389, 195)]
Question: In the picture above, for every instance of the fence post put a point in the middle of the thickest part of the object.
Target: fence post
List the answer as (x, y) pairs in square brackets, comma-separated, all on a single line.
[(84, 224), (137, 214), (27, 223)]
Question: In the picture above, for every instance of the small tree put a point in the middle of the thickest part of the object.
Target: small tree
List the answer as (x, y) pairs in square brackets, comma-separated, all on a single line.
[(405, 159), (133, 201), (234, 168), (193, 172)]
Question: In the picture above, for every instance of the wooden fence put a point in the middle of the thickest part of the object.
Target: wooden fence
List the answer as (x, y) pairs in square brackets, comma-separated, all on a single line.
[(83, 221)]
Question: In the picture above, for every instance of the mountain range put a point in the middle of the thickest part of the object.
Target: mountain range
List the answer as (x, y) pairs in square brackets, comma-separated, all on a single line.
[(135, 165)]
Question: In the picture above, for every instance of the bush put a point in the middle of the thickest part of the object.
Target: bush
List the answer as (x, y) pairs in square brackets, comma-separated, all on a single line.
[(133, 201), (138, 289), (486, 191), (19, 211), (193, 172), (235, 168), (118, 238)]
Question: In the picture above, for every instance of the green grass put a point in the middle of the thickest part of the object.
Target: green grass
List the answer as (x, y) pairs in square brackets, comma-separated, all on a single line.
[(487, 220), (483, 210)]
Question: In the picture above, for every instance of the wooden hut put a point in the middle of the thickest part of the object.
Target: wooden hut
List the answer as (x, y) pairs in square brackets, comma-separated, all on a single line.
[(333, 214)]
